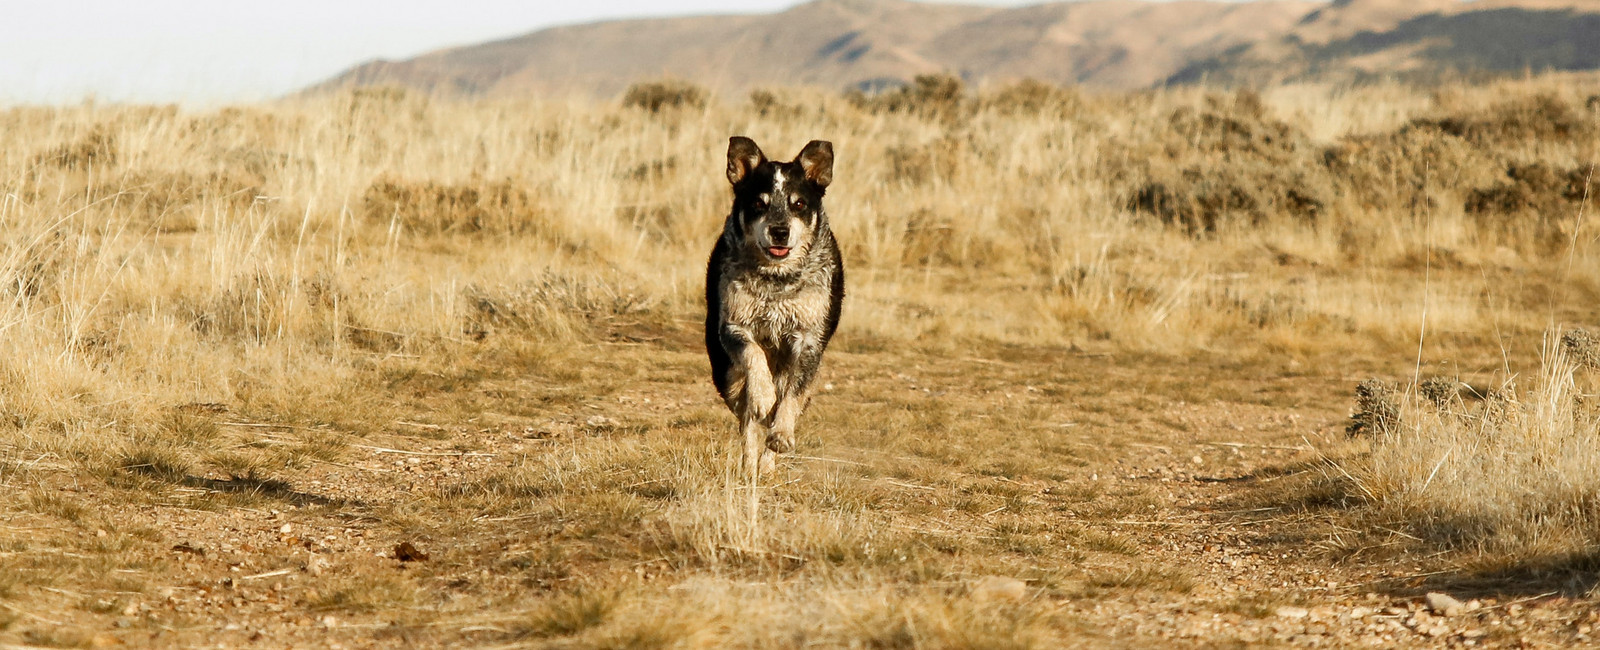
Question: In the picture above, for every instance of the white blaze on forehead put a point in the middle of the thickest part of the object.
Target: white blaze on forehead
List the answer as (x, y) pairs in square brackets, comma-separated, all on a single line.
[(777, 180)]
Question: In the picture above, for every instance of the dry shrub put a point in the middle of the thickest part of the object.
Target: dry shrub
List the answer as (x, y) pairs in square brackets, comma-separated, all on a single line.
[(1582, 347), (1033, 97), (1237, 128), (916, 164), (1200, 199), (431, 207), (769, 104), (170, 200), (938, 96), (1230, 162), (929, 239), (1439, 391), (1377, 410), (1404, 169), (658, 96), (1534, 188), (95, 150), (1516, 475), (1543, 117), (553, 306), (248, 126), (262, 306)]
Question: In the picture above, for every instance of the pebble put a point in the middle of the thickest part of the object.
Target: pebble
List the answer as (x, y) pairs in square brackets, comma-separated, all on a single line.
[(999, 588), (1444, 604), (1292, 612)]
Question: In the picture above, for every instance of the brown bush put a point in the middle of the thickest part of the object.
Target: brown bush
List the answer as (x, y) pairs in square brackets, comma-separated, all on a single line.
[(937, 160), (434, 207), (1230, 162), (932, 95), (96, 150), (929, 239), (767, 103), (165, 198), (1377, 409), (1033, 97), (1540, 117), (1403, 169), (1534, 187), (1201, 199), (1239, 127), (658, 96)]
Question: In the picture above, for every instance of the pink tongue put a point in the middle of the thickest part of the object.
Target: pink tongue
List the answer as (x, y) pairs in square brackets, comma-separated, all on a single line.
[(778, 251)]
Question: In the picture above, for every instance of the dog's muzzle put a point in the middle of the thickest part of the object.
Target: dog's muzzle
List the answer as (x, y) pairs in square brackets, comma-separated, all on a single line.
[(779, 236)]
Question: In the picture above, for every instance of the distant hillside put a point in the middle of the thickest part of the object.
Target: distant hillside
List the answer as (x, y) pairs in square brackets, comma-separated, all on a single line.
[(1355, 39), (1106, 43)]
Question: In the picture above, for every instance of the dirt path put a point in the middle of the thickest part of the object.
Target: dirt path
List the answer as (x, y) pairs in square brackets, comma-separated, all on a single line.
[(1014, 498)]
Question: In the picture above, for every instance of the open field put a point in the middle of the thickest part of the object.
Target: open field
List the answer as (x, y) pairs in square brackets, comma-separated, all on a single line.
[(377, 369)]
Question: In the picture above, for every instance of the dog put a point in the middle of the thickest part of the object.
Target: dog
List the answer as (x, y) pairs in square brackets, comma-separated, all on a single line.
[(774, 290)]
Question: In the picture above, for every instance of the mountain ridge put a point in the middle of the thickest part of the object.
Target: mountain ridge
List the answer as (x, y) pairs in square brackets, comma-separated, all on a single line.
[(1118, 44)]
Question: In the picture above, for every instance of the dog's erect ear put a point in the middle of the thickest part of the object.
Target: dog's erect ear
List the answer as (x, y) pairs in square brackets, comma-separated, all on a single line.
[(743, 156), (817, 161)]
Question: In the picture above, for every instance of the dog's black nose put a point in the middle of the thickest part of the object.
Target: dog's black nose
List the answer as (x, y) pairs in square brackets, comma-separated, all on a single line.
[(780, 235)]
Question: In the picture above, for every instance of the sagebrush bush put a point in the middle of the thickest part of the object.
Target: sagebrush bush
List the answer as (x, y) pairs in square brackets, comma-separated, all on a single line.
[(1514, 476), (658, 96)]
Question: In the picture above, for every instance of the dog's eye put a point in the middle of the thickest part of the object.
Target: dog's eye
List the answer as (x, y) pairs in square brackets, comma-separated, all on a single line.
[(798, 203), (759, 205)]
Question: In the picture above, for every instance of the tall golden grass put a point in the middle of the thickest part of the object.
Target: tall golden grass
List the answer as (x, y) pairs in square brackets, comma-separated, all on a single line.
[(269, 257)]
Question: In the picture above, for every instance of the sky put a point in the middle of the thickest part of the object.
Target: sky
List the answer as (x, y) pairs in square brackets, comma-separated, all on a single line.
[(217, 51)]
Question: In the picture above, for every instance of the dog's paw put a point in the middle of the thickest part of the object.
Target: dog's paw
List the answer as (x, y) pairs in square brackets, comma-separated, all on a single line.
[(781, 442)]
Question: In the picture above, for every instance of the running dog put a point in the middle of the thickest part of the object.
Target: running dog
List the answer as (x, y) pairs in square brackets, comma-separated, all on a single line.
[(774, 288)]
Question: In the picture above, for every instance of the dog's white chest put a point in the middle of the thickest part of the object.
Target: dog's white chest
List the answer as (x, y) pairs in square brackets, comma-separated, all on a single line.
[(770, 316)]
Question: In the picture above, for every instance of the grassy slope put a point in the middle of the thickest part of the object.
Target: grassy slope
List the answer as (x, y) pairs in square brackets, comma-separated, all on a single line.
[(222, 329)]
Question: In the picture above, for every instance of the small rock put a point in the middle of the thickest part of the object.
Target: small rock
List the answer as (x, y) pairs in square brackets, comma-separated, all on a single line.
[(407, 552), (191, 549), (330, 621), (1292, 612), (316, 565), (286, 529), (1444, 604), (999, 588)]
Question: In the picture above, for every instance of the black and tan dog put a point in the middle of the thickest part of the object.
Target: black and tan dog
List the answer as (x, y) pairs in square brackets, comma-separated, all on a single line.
[(774, 288)]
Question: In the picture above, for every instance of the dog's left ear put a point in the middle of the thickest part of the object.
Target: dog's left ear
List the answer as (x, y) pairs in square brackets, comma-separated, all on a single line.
[(817, 161)]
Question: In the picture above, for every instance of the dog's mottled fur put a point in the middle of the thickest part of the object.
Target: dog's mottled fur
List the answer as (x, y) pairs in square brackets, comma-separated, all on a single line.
[(774, 288)]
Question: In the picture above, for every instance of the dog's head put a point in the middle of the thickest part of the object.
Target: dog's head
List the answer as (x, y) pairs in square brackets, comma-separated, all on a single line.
[(777, 206)]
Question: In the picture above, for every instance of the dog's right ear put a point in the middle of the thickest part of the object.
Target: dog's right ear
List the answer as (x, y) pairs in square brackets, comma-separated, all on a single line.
[(743, 156)]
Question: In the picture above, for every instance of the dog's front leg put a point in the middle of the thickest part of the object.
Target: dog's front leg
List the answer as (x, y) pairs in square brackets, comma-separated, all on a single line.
[(793, 391), (755, 390)]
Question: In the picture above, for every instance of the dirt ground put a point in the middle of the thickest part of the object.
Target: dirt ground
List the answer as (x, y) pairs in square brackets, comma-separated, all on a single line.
[(1093, 499)]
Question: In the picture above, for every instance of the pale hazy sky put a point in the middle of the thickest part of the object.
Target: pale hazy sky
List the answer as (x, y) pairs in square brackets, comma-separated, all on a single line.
[(213, 51)]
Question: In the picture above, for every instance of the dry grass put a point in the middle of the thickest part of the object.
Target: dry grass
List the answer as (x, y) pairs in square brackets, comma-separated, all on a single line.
[(1512, 479), (216, 323)]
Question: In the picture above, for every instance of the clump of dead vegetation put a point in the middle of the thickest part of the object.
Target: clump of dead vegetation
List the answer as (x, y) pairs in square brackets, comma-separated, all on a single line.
[(936, 96), (96, 149), (1513, 477), (432, 207), (669, 94)]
